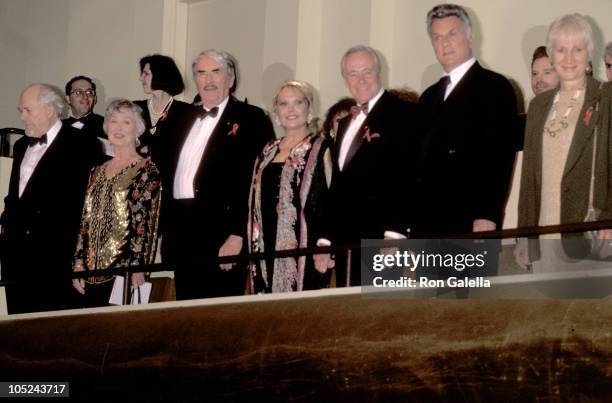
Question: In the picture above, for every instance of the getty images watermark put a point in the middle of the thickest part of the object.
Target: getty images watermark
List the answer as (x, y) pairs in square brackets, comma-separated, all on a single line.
[(419, 264)]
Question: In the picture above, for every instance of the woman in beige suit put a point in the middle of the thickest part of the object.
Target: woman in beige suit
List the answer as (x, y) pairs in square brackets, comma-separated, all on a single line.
[(558, 153)]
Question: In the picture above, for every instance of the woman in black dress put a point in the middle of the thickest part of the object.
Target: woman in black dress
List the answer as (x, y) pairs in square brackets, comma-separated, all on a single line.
[(161, 81)]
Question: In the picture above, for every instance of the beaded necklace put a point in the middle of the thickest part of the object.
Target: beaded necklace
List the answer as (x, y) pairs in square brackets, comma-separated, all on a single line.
[(554, 128), (155, 116)]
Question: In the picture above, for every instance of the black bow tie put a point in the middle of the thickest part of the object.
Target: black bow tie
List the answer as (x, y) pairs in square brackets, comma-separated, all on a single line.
[(212, 113), (357, 109), (37, 140)]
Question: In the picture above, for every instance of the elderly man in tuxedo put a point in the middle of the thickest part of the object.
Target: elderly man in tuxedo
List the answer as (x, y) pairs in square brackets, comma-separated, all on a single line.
[(371, 162), (467, 152), (41, 217), (206, 178)]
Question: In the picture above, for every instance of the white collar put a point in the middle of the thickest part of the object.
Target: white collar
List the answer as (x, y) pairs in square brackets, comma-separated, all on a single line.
[(373, 101), (53, 131), (458, 72)]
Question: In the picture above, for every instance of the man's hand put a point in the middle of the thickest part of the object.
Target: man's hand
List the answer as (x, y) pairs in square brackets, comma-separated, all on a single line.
[(231, 247), (481, 225), (138, 279), (323, 262)]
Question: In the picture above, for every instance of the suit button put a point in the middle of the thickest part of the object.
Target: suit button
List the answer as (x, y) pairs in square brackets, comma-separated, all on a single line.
[(27, 232), (451, 151), (196, 191)]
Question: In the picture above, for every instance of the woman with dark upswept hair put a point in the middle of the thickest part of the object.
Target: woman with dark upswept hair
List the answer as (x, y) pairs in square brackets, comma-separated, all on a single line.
[(161, 81)]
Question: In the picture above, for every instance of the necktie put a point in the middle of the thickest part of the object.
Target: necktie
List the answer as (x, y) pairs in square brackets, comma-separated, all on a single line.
[(356, 109), (32, 141), (212, 113), (444, 82)]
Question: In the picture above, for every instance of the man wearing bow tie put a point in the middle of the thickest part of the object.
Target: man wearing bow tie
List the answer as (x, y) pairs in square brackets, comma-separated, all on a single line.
[(206, 182), (42, 210), (372, 159), (81, 97), (466, 158)]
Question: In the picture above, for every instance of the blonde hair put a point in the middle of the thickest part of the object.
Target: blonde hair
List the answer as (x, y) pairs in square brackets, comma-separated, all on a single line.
[(303, 88)]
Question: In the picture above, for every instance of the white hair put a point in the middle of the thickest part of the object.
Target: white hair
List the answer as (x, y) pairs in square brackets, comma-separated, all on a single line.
[(52, 95), (570, 23)]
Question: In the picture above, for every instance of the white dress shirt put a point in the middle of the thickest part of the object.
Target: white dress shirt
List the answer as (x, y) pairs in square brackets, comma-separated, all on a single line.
[(192, 152), (353, 128), (33, 155), (457, 74)]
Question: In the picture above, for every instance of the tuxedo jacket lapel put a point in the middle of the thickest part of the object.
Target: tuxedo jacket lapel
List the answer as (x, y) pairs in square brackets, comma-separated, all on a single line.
[(217, 137), (373, 116), (355, 144), (18, 154), (41, 171), (440, 109)]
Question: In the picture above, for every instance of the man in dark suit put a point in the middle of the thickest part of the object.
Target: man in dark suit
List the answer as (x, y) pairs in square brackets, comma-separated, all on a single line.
[(467, 151), (467, 155), (81, 97), (206, 178), (371, 159), (42, 210)]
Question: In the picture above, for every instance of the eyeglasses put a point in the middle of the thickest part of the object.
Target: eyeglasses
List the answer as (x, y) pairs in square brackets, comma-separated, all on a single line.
[(80, 93)]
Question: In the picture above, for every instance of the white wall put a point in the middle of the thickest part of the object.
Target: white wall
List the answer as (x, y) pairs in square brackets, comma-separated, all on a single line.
[(273, 40), (54, 40)]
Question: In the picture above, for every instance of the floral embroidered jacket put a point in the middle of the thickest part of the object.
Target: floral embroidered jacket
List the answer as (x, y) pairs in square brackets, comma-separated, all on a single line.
[(303, 190), (119, 220)]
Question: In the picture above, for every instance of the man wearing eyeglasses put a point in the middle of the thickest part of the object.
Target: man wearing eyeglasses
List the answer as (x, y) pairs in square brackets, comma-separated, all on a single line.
[(81, 96)]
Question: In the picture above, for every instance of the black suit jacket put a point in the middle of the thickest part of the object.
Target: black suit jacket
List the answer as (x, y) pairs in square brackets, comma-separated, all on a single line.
[(92, 124), (467, 154), (40, 227), (221, 185), (367, 196)]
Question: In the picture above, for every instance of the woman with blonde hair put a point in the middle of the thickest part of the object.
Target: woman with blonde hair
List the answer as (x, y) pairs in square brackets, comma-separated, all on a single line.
[(119, 220), (288, 194)]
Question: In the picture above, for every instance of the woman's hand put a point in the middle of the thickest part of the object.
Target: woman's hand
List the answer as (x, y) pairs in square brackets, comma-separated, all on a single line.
[(78, 283), (605, 234), (521, 253)]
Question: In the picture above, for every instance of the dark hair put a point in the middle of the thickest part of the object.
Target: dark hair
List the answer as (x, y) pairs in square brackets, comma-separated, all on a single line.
[(539, 53), (405, 94), (165, 75), (77, 78), (343, 104)]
